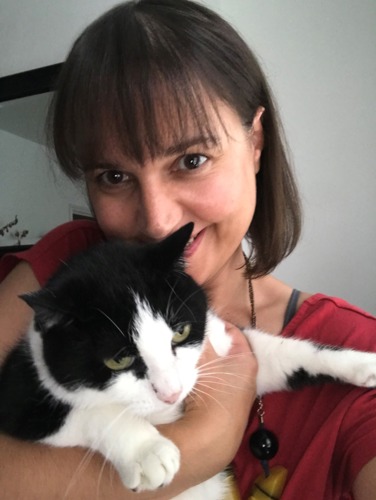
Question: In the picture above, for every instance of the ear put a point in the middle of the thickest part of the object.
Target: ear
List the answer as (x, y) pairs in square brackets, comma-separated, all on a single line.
[(257, 137), (169, 252), (47, 313)]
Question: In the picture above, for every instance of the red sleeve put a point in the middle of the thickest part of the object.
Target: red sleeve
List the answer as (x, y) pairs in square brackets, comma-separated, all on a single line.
[(54, 248), (356, 442), (333, 321)]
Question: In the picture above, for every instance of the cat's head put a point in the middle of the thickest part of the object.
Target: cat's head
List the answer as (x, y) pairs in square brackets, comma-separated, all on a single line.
[(121, 319)]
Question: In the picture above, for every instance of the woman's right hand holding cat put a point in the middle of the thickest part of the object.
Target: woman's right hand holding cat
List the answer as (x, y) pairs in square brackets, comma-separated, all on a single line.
[(216, 412), (226, 388)]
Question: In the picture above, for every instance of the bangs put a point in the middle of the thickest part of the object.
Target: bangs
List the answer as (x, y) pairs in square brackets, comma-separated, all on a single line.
[(146, 119), (140, 89)]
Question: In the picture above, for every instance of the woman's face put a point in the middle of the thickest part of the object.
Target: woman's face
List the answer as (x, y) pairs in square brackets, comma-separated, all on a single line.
[(211, 185)]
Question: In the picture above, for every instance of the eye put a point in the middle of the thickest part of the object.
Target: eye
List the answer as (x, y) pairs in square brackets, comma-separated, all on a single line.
[(112, 178), (181, 334), (192, 161), (117, 364)]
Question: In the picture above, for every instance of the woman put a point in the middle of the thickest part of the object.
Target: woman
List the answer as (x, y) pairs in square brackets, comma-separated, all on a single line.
[(166, 114)]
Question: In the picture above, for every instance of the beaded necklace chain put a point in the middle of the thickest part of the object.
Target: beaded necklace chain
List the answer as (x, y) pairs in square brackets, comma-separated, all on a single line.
[(263, 443)]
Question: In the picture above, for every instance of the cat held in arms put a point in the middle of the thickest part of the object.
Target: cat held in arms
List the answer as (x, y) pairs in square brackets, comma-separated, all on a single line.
[(113, 351)]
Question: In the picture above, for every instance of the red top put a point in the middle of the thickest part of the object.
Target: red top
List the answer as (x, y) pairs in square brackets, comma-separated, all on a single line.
[(54, 248), (326, 433)]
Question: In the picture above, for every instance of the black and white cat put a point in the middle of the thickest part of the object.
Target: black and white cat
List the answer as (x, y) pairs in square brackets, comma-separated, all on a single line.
[(113, 351)]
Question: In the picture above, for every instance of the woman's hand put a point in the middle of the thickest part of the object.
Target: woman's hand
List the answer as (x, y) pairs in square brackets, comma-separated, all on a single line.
[(227, 385)]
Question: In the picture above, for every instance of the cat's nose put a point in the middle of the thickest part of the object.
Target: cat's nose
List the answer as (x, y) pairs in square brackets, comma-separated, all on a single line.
[(167, 396), (171, 398)]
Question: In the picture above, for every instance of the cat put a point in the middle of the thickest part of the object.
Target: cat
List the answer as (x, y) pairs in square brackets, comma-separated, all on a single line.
[(113, 351)]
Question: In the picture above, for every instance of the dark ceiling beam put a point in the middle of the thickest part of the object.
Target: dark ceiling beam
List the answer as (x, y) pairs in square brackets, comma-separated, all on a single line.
[(35, 81)]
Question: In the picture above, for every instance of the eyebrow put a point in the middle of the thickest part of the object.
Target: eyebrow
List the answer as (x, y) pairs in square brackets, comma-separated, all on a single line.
[(184, 144), (178, 148)]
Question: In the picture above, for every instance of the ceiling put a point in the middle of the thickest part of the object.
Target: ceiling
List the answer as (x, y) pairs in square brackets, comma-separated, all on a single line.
[(26, 117)]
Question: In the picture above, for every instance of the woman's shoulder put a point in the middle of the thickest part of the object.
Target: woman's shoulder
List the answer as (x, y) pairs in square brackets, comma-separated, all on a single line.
[(55, 247), (332, 320)]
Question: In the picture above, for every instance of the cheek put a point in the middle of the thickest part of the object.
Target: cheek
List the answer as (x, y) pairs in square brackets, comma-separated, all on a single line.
[(113, 215), (225, 195)]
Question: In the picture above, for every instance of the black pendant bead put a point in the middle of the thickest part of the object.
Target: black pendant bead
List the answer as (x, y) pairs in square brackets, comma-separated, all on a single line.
[(263, 444)]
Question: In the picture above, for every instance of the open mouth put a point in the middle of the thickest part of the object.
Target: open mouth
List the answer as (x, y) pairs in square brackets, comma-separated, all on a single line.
[(193, 243), (190, 241)]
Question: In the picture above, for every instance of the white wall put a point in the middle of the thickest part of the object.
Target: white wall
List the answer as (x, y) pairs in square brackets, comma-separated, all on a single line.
[(320, 58), (35, 33), (30, 189)]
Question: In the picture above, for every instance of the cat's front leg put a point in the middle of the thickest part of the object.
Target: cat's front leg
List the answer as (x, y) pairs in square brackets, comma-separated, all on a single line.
[(153, 464), (144, 459), (289, 363)]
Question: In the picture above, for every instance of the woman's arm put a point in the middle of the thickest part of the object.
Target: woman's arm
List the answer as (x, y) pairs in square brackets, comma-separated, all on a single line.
[(15, 314), (365, 484), (208, 434)]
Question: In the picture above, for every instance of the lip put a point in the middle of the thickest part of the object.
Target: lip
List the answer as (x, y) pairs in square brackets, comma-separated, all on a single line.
[(192, 247)]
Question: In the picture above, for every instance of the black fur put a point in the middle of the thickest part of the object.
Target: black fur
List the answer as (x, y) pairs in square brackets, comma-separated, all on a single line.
[(301, 378), (27, 411)]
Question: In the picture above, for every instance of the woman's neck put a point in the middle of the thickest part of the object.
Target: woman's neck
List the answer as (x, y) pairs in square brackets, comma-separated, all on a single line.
[(228, 292), (229, 296)]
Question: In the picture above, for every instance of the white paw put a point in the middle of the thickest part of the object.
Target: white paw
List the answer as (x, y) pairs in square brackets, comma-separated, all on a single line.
[(154, 466), (365, 375), (219, 338)]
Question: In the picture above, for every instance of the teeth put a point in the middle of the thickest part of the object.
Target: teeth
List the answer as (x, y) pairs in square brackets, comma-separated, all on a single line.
[(190, 241)]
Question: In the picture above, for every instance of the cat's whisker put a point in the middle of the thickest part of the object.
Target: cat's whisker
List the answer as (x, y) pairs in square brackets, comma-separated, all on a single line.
[(209, 386), (183, 302), (90, 452), (212, 383), (217, 378), (170, 313), (196, 390), (224, 360), (111, 321), (214, 375), (106, 461), (219, 367), (81, 466), (195, 395), (169, 310)]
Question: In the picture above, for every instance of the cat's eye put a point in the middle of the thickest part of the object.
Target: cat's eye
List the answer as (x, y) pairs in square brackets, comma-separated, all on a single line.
[(117, 364), (181, 334)]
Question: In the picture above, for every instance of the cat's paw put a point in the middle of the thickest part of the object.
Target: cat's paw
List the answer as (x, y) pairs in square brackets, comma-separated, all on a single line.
[(154, 466), (365, 375), (363, 372)]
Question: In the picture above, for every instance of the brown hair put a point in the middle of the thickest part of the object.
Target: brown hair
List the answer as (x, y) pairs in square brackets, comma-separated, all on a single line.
[(141, 71)]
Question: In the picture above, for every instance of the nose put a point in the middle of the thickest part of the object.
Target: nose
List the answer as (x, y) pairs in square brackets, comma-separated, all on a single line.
[(160, 211), (167, 396)]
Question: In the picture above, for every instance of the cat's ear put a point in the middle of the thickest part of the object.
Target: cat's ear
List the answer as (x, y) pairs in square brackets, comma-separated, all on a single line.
[(169, 252), (44, 306)]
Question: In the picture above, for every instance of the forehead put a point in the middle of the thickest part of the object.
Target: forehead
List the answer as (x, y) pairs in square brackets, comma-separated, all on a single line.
[(170, 126), (178, 131)]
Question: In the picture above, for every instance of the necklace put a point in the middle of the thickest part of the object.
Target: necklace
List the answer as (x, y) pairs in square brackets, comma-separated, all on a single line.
[(263, 443)]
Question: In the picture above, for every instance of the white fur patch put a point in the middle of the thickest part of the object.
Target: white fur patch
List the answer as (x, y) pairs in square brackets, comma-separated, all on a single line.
[(171, 374), (216, 332)]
